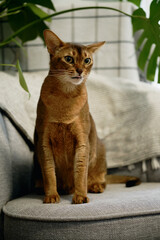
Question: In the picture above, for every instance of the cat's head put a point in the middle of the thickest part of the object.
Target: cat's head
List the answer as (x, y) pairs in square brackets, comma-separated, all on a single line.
[(70, 63)]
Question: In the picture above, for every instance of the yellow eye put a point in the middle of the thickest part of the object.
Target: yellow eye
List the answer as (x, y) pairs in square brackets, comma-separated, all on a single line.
[(69, 59), (87, 61)]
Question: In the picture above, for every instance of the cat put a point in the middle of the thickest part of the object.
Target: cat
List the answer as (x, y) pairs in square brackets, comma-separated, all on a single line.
[(71, 157)]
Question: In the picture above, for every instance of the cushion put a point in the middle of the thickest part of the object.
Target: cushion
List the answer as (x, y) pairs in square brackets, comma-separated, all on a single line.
[(118, 213)]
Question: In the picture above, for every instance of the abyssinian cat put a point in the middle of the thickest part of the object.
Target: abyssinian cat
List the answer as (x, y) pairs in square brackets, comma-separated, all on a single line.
[(71, 156)]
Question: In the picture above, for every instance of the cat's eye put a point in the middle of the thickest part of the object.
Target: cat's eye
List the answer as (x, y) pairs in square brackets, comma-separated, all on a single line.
[(69, 59), (87, 60)]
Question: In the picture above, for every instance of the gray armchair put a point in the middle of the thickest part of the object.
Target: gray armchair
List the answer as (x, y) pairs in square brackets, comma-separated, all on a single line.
[(119, 212)]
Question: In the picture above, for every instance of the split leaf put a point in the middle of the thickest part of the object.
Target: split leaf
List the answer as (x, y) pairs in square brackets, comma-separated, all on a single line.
[(149, 38)]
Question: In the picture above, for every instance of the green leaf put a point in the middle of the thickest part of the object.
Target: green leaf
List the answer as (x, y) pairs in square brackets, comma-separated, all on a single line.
[(141, 39), (39, 12), (136, 2), (25, 17), (43, 3), (22, 79), (151, 68), (11, 4), (42, 27), (150, 34), (144, 55)]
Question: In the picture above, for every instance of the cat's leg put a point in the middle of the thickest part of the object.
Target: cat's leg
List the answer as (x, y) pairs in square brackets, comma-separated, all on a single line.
[(45, 156), (80, 173), (97, 170), (97, 185), (38, 182)]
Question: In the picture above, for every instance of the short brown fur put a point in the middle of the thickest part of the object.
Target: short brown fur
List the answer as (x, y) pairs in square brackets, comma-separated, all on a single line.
[(71, 156)]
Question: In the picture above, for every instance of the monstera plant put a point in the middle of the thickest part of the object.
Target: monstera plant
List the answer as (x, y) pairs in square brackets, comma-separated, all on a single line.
[(27, 20), (150, 37)]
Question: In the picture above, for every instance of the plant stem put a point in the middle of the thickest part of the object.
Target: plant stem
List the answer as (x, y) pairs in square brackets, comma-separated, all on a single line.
[(59, 13), (8, 14), (6, 64)]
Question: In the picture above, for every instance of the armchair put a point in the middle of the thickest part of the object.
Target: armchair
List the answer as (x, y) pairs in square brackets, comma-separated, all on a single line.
[(119, 212)]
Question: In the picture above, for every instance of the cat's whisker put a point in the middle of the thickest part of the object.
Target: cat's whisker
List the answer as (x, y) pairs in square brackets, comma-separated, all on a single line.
[(58, 70), (57, 73)]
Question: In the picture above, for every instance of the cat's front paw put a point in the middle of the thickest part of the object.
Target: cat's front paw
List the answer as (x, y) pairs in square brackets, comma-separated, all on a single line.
[(77, 199), (52, 199)]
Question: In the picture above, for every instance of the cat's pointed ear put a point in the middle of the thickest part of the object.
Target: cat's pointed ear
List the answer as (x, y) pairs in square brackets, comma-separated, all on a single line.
[(52, 41), (93, 47)]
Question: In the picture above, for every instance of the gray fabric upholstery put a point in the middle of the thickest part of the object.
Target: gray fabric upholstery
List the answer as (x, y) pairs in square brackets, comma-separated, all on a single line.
[(118, 213), (5, 170), (16, 163), (5, 164), (143, 228)]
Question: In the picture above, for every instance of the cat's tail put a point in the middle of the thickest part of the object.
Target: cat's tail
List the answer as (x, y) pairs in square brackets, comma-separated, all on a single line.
[(129, 180)]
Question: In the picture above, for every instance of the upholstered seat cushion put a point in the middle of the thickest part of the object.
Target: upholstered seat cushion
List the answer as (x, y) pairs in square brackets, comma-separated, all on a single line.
[(118, 213)]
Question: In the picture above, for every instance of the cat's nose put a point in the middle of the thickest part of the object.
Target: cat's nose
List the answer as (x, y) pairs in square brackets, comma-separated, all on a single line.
[(79, 70)]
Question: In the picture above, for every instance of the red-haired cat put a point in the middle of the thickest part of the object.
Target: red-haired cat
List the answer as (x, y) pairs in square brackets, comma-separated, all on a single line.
[(71, 156)]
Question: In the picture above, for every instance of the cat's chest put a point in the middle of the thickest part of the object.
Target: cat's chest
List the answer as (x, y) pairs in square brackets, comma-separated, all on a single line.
[(63, 142), (62, 109), (60, 134)]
